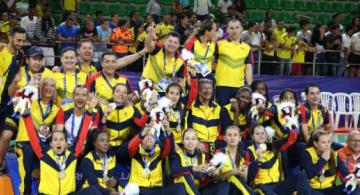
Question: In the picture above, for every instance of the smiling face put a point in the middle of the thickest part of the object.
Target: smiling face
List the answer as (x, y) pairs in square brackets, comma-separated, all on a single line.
[(68, 60), (47, 88), (35, 63), (244, 99), (101, 143), (120, 94), (288, 97), (80, 96), (86, 51), (190, 141), (108, 64), (171, 44), (148, 142), (58, 142), (17, 40), (205, 91)]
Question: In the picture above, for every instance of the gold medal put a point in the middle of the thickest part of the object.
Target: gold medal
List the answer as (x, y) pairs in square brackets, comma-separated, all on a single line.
[(321, 178), (62, 174)]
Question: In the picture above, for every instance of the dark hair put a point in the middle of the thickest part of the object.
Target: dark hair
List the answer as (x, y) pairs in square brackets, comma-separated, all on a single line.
[(315, 38), (174, 84), (303, 22), (311, 85), (197, 152), (315, 136), (83, 41), (17, 29), (348, 28), (291, 91), (57, 131), (122, 22), (91, 138), (121, 84), (79, 86), (98, 13), (291, 29), (334, 27), (181, 17), (206, 25), (66, 49), (256, 83), (251, 24), (113, 14), (174, 34), (107, 53)]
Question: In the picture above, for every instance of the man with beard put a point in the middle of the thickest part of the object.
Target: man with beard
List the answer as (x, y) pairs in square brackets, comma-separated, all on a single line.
[(10, 57), (235, 113), (85, 63), (204, 117)]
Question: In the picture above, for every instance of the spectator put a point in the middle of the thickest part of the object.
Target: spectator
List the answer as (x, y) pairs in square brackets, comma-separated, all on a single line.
[(219, 30), (345, 50), (287, 43), (269, 16), (181, 6), (4, 22), (267, 26), (121, 37), (240, 8), (318, 41), (114, 21), (174, 19), (279, 30), (45, 36), (202, 8), (89, 31), (154, 8), (104, 34), (68, 33), (254, 38), (85, 64), (332, 57), (22, 7), (183, 28), (6, 5), (223, 6), (7, 26), (307, 53), (268, 57), (354, 57), (69, 5), (29, 23), (163, 28), (99, 17), (355, 23), (336, 19), (134, 19), (193, 20)]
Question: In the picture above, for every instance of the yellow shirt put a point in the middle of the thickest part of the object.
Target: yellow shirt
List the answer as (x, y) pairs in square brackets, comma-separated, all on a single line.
[(104, 88), (5, 59), (70, 5), (299, 56), (49, 111), (162, 30), (286, 41), (26, 76), (158, 67), (202, 54), (278, 33), (232, 61), (66, 82)]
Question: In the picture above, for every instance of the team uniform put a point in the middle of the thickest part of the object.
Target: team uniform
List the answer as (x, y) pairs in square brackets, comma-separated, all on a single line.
[(158, 68), (99, 84), (122, 122), (230, 69), (205, 120), (10, 65), (66, 83), (227, 116), (26, 76), (40, 115), (162, 30), (182, 164), (92, 68)]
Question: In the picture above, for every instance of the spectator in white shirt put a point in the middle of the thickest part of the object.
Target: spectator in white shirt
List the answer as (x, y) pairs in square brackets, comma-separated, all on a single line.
[(345, 47), (28, 23), (223, 6), (354, 58), (202, 8)]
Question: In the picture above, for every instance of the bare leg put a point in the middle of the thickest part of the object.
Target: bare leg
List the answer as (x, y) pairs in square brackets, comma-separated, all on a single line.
[(4, 144)]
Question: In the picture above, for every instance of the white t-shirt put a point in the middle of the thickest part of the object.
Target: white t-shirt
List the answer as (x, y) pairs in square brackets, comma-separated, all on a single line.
[(355, 42), (251, 38), (29, 25), (224, 6), (68, 126), (201, 7), (346, 43)]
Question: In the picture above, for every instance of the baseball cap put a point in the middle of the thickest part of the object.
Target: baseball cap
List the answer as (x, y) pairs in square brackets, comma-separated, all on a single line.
[(34, 51)]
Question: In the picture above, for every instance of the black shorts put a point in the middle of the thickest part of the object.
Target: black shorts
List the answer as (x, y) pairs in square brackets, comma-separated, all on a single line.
[(7, 122)]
